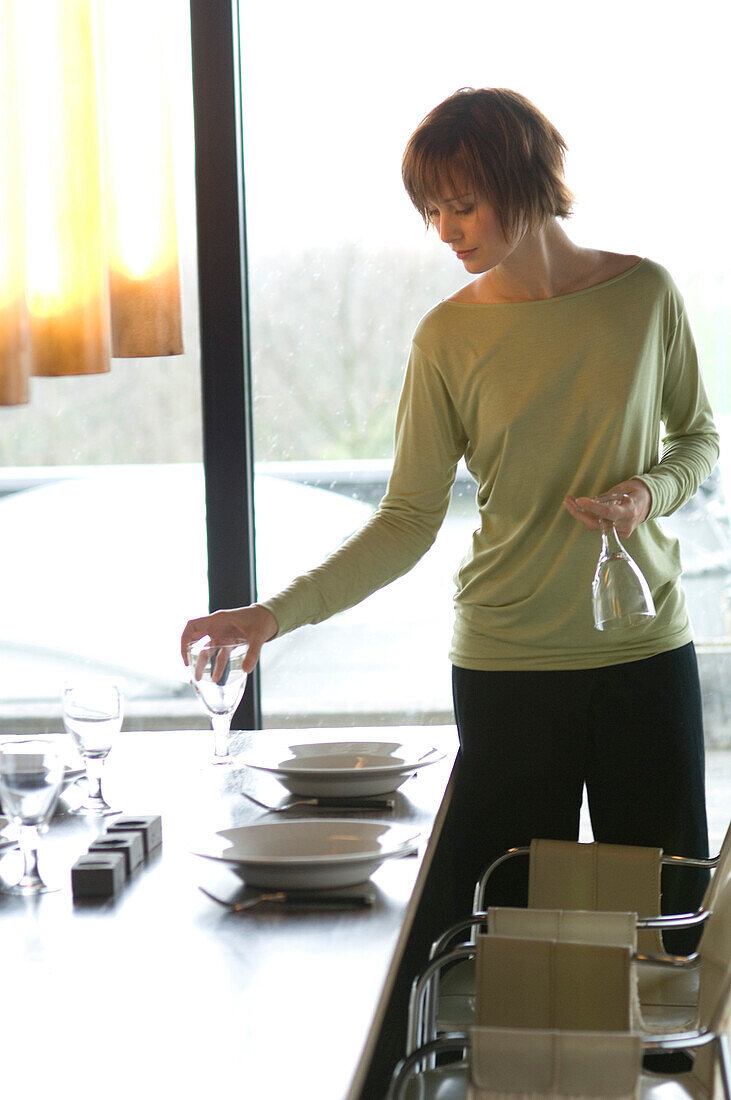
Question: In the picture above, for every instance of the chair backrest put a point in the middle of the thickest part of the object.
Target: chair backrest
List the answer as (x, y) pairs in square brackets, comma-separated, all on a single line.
[(579, 925), (567, 874), (524, 1062), (552, 985), (721, 874)]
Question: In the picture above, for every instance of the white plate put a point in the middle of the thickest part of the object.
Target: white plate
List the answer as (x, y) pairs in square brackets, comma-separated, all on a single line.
[(309, 854), (340, 769)]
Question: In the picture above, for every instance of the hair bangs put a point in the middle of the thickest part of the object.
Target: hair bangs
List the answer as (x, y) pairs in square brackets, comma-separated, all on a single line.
[(435, 172)]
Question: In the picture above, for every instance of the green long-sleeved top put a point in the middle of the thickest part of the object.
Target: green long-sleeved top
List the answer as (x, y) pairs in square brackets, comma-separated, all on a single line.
[(542, 398)]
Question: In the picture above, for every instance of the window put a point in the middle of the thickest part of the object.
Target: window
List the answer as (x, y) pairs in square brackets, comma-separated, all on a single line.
[(101, 480), (341, 270), (102, 506)]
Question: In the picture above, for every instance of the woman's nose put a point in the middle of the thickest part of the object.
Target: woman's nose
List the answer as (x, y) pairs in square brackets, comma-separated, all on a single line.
[(447, 228)]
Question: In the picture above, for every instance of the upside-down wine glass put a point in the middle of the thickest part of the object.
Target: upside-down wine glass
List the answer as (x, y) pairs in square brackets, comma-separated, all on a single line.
[(620, 594), (93, 710), (217, 675), (31, 777)]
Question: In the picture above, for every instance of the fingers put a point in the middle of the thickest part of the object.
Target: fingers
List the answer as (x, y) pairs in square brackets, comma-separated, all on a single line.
[(252, 626), (626, 505), (614, 507), (222, 666), (193, 632), (222, 627), (251, 659), (571, 504)]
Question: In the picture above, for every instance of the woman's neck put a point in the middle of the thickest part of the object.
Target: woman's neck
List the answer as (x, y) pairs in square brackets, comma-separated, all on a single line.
[(546, 264)]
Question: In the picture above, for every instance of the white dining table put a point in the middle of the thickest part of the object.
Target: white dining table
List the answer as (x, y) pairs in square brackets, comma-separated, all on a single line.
[(162, 992)]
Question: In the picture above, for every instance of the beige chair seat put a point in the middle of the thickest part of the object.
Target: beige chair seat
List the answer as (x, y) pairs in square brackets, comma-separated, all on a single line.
[(452, 1083), (672, 988)]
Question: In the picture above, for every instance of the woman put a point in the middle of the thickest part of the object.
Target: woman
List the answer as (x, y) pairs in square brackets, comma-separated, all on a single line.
[(550, 373)]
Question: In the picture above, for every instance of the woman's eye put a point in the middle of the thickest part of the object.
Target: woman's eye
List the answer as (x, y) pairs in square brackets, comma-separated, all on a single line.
[(464, 212), (432, 215)]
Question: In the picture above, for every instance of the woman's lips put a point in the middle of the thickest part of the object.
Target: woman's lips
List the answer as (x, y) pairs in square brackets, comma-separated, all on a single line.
[(467, 252)]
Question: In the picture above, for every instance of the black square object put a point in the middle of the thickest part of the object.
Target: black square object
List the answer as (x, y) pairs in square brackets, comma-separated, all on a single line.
[(99, 875), (131, 844), (148, 825)]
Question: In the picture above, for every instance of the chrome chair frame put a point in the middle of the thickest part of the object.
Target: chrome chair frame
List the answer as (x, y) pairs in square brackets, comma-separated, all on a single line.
[(453, 1042), (479, 917), (423, 1001), (666, 861)]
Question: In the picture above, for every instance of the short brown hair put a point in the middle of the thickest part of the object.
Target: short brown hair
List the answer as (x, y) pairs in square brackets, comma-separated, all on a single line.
[(499, 145)]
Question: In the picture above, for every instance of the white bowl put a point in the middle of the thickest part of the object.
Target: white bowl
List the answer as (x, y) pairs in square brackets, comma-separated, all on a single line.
[(340, 769), (307, 854)]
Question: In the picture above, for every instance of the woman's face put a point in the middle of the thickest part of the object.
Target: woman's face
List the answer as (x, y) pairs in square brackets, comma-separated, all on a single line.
[(470, 226)]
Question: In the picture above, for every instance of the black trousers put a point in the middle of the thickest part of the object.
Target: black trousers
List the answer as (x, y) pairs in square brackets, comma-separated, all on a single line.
[(632, 734)]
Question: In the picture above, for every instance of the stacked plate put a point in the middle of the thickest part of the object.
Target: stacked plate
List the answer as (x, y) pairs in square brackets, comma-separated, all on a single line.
[(308, 854), (327, 853), (340, 769)]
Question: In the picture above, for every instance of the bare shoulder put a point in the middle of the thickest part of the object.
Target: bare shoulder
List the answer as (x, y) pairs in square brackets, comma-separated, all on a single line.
[(607, 265), (581, 269), (467, 293)]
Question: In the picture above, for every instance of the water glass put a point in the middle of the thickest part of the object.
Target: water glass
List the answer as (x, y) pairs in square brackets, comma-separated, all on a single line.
[(218, 677), (620, 593), (31, 777), (92, 713)]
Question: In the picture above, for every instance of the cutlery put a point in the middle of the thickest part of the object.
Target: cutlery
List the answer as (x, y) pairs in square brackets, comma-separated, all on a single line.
[(339, 804), (301, 899), (425, 754)]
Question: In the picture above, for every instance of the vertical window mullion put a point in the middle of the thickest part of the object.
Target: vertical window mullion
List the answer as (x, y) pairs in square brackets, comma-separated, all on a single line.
[(224, 322)]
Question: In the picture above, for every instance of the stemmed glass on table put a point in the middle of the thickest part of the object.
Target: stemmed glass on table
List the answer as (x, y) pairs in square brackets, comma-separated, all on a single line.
[(92, 713), (31, 777), (218, 678), (620, 594)]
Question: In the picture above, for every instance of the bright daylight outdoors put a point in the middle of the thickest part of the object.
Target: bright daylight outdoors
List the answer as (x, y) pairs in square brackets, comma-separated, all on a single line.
[(342, 270), (101, 479)]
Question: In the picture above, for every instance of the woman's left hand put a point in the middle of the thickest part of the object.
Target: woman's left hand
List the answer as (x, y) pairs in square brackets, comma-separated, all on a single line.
[(626, 505)]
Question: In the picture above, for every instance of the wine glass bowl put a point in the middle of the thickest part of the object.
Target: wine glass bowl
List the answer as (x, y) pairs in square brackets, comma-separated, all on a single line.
[(620, 594), (219, 679), (92, 713), (31, 777)]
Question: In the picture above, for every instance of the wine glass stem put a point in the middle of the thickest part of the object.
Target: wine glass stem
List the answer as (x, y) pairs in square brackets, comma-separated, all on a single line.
[(94, 766), (28, 842), (221, 728)]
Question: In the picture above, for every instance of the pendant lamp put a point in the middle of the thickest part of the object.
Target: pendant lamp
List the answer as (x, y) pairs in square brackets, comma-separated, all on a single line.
[(88, 238), (14, 356)]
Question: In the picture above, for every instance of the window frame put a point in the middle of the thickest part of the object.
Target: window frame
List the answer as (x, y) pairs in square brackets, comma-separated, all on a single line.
[(226, 391)]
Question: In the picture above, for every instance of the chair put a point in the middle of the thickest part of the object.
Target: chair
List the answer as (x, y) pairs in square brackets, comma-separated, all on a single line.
[(514, 977), (567, 875), (425, 1020), (507, 1063)]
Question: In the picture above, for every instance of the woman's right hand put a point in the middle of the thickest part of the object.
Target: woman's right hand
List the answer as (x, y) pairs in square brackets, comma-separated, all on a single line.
[(253, 625)]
